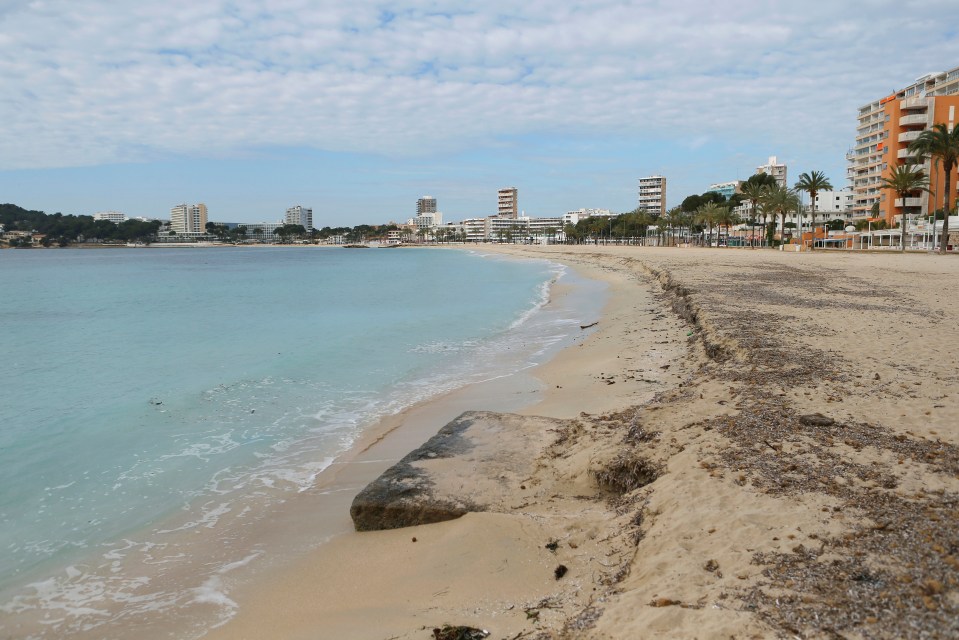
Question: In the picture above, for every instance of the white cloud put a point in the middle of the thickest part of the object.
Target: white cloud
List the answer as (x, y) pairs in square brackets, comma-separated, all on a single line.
[(89, 82)]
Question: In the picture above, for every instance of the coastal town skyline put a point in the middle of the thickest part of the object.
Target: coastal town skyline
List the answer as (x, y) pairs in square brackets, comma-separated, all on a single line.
[(242, 107)]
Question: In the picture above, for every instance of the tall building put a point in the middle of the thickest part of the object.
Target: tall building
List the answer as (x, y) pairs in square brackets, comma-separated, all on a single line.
[(885, 128), (774, 169), (652, 195), (426, 204), (188, 218), (299, 215), (507, 203)]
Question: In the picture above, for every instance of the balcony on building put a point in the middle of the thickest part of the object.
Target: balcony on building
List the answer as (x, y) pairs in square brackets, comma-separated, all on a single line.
[(908, 136), (908, 202), (914, 103), (913, 120), (905, 153)]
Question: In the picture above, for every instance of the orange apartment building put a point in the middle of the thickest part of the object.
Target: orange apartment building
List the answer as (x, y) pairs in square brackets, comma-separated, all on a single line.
[(885, 129)]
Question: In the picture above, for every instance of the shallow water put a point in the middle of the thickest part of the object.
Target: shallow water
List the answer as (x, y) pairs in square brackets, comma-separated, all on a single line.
[(153, 396)]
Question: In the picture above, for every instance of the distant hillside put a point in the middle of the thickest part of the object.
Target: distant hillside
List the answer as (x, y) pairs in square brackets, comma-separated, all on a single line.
[(63, 230)]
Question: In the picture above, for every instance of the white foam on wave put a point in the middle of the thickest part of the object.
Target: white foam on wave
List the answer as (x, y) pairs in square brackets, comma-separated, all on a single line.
[(213, 592), (78, 601), (208, 519), (543, 298)]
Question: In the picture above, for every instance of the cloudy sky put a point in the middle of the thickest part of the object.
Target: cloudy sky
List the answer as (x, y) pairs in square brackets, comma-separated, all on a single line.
[(358, 108)]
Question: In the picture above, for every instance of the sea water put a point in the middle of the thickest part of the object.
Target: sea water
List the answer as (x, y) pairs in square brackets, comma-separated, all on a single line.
[(157, 390)]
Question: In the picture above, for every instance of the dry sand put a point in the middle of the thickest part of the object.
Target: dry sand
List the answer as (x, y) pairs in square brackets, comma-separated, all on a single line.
[(693, 491)]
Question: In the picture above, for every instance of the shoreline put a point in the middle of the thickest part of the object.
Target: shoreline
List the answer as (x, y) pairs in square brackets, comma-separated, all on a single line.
[(591, 375), (198, 592), (743, 436), (321, 513), (808, 440)]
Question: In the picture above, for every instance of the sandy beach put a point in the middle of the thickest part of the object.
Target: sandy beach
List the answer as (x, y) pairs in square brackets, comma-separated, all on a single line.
[(749, 444)]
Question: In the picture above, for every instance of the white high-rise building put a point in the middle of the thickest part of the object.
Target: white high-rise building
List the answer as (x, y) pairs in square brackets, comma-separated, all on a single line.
[(652, 195), (774, 169), (188, 218), (507, 202), (299, 215)]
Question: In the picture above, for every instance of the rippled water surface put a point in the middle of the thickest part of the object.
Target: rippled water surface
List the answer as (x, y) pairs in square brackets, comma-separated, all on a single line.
[(142, 384)]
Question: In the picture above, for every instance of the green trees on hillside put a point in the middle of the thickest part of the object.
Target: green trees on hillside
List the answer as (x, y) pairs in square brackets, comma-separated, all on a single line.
[(62, 230)]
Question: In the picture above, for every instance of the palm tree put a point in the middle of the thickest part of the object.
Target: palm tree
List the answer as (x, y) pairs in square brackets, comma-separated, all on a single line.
[(673, 219), (765, 211), (753, 191), (708, 214), (943, 145), (905, 180), (642, 219), (812, 183), (726, 218), (781, 200)]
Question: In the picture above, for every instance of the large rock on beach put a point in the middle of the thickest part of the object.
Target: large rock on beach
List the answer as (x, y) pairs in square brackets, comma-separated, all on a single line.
[(477, 462)]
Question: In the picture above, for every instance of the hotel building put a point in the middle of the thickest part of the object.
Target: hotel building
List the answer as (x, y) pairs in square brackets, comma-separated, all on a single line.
[(299, 215), (573, 217), (426, 221), (775, 169), (726, 189), (884, 130), (188, 218), (652, 195), (113, 216), (425, 205), (507, 203)]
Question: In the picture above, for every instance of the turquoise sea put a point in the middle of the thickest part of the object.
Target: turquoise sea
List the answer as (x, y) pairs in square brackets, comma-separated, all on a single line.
[(144, 387)]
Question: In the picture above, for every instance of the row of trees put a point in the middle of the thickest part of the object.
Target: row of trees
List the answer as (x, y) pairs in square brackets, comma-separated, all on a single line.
[(62, 230), (941, 145), (708, 210), (767, 198), (700, 215), (290, 232), (696, 218)]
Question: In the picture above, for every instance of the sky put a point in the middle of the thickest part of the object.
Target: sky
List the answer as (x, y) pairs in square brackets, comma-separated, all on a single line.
[(358, 108)]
